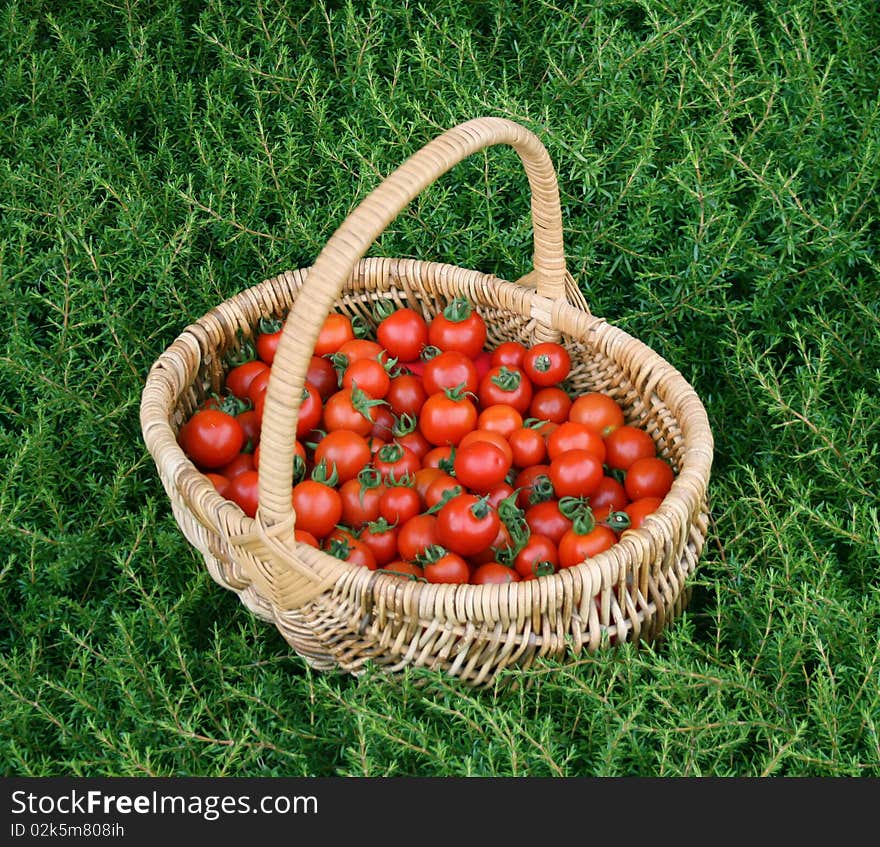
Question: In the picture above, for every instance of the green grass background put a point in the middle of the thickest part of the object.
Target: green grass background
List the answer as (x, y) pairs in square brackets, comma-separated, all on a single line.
[(718, 166)]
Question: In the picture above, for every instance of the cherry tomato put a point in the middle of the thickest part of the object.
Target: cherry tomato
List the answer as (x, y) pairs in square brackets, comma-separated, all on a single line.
[(381, 537), (220, 482), (639, 509), (449, 567), (442, 488), (257, 386), (527, 447), (241, 376), (369, 375), (508, 385), (598, 410), (480, 465), (305, 537), (575, 473), (241, 463), (251, 426), (336, 330), (550, 404), (501, 418), (575, 436), (423, 477), (346, 546), (317, 506), (404, 569), (534, 485), (213, 438), (490, 436), (547, 363), (509, 353), (267, 339), (383, 423), (360, 348), (417, 535), (439, 457), (310, 410), (538, 556), (467, 524), (344, 450), (545, 519), (574, 547), (406, 395), (399, 503), (458, 327), (494, 573), (649, 476), (360, 503), (349, 408), (625, 444), (446, 417), (609, 494), (403, 334), (322, 375), (450, 369), (395, 462), (243, 490)]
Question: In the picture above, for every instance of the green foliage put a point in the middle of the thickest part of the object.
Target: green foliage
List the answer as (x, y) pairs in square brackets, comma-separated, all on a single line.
[(718, 166)]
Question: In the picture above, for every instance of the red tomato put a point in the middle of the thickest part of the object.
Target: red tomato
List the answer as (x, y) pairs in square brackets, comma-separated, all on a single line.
[(336, 330), (243, 490), (395, 462), (547, 363), (267, 340), (480, 465), (450, 369), (446, 417), (649, 476), (546, 519), (220, 482), (608, 494), (575, 436), (527, 447), (575, 473), (322, 375), (360, 348), (534, 485), (399, 503), (458, 327), (257, 386), (318, 507), (490, 436), (625, 444), (413, 440), (501, 418), (383, 423), (417, 535), (442, 488), (241, 376), (381, 538), (406, 395), (509, 353), (404, 569), (449, 567), (346, 546), (360, 503), (467, 524), (550, 404), (349, 408), (310, 410), (344, 450), (439, 457), (508, 385), (537, 557), (213, 438), (305, 537), (638, 510), (574, 547), (423, 477), (403, 334), (241, 463), (369, 375), (251, 426), (494, 573), (597, 410)]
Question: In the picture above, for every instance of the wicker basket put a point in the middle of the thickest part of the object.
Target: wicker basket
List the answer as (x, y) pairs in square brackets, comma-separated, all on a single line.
[(338, 616)]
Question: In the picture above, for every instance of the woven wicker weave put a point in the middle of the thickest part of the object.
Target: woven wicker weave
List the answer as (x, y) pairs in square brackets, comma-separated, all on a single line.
[(339, 616)]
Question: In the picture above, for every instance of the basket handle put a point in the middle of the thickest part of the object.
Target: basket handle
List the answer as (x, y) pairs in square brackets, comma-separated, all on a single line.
[(350, 243)]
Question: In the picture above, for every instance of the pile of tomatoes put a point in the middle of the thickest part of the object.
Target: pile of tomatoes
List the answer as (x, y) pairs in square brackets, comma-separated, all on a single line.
[(424, 454)]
